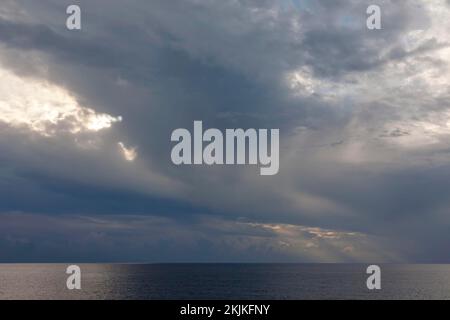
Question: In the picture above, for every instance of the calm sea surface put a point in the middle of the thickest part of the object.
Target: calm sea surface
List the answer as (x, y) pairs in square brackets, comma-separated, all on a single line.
[(224, 281)]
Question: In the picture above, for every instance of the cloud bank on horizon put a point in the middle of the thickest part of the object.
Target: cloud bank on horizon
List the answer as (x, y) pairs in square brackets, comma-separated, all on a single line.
[(86, 118)]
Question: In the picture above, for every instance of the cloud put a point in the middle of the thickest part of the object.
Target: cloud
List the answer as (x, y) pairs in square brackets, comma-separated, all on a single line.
[(363, 120), (45, 108), (150, 238), (130, 154)]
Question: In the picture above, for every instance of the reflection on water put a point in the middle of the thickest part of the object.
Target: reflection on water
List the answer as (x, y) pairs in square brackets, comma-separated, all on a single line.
[(224, 281)]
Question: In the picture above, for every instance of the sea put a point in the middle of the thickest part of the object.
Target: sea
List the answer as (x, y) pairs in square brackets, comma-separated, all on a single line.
[(223, 282)]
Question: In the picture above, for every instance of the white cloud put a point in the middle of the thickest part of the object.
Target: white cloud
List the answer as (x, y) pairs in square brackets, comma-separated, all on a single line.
[(46, 108), (130, 154)]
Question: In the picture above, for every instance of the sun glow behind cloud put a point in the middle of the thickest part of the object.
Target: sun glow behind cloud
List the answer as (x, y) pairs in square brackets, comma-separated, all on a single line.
[(130, 154), (46, 108)]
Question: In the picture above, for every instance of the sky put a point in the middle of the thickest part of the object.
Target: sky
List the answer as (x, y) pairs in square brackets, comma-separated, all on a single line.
[(86, 118)]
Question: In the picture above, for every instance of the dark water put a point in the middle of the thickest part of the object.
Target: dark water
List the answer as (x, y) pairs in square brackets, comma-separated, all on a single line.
[(224, 281)]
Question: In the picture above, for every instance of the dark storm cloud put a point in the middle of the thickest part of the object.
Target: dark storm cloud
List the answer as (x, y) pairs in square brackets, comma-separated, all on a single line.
[(163, 64), (147, 238)]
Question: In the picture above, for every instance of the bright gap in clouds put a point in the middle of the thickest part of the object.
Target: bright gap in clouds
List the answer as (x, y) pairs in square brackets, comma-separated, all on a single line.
[(46, 108), (130, 154)]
